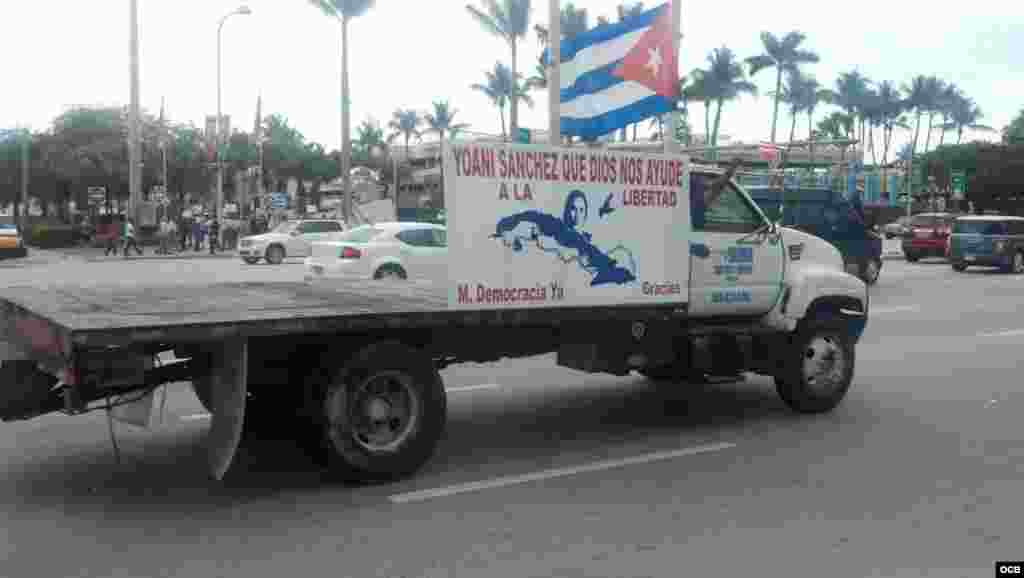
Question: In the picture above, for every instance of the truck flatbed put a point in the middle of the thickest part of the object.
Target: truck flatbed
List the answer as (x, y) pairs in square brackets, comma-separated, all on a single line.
[(118, 315)]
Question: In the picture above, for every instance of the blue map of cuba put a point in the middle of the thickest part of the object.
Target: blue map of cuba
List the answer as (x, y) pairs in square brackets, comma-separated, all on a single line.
[(570, 244)]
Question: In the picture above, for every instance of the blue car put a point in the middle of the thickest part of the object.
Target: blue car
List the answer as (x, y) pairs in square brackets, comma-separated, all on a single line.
[(988, 241)]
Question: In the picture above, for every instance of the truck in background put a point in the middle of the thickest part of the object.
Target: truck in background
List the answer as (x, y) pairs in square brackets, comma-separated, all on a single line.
[(615, 261), (829, 215)]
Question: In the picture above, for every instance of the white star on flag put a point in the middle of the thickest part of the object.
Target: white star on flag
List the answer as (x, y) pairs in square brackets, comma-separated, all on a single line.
[(653, 60)]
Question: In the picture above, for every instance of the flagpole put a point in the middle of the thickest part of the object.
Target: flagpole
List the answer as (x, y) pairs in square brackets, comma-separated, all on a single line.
[(554, 76), (671, 143)]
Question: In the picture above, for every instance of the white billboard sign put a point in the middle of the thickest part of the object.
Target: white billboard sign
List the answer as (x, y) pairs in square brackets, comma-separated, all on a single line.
[(540, 226)]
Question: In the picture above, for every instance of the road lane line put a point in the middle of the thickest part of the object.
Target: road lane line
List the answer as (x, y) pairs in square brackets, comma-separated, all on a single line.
[(473, 387), (1007, 333), (894, 309), (445, 491)]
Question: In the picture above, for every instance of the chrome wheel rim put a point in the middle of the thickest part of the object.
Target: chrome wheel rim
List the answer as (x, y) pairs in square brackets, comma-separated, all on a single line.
[(824, 363), (382, 411)]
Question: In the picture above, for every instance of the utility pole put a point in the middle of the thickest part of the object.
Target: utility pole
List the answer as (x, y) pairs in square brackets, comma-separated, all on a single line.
[(134, 156), (23, 194), (671, 143), (554, 75)]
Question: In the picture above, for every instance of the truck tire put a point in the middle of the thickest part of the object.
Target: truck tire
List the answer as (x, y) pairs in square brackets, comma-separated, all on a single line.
[(870, 269), (383, 414), (959, 267), (251, 260), (911, 257), (818, 368)]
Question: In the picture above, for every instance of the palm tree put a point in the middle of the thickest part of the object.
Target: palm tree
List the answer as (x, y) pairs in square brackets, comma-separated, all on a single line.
[(441, 120), (966, 114), (890, 107), (369, 134), (405, 124), (917, 98), (501, 88), (849, 95), (783, 55), (727, 80), (947, 103), (700, 90), (573, 21), (509, 20), (791, 95), (935, 89), (812, 94), (344, 10)]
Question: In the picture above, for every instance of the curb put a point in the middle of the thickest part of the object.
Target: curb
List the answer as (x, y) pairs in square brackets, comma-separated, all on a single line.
[(107, 258)]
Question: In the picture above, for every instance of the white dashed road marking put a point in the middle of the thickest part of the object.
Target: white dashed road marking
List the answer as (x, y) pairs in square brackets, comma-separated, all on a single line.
[(504, 481), (1007, 333), (894, 309)]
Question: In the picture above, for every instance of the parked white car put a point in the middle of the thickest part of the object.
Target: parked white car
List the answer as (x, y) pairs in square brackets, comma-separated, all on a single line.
[(289, 239), (383, 251)]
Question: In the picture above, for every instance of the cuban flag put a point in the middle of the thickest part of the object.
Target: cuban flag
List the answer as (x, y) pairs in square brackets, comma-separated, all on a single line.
[(618, 74)]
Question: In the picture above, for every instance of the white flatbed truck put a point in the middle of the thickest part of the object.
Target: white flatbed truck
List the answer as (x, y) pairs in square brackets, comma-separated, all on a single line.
[(687, 292)]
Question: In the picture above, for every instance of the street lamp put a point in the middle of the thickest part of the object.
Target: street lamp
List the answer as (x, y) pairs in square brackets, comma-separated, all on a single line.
[(245, 11)]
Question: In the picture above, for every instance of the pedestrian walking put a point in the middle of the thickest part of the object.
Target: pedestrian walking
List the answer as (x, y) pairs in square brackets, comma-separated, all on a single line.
[(129, 238), (166, 236), (197, 233), (214, 227), (184, 231)]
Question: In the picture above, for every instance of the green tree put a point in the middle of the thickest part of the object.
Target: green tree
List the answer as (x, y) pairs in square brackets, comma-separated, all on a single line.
[(501, 88), (810, 94), (727, 80), (283, 152), (510, 21), (919, 99), (967, 114), (851, 94), (784, 55), (935, 89), (442, 121), (369, 135), (344, 11), (404, 124), (946, 104), (699, 90), (1013, 133)]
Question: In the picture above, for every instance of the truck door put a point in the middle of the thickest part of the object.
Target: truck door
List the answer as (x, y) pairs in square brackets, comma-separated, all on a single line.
[(736, 266)]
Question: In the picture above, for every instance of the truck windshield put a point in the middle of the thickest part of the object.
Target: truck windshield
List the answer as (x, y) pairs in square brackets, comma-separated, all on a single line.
[(980, 228)]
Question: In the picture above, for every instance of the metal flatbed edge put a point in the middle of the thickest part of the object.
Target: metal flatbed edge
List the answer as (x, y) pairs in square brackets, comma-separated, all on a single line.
[(101, 316)]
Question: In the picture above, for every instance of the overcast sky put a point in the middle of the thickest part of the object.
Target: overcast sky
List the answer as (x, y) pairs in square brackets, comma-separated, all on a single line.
[(406, 53)]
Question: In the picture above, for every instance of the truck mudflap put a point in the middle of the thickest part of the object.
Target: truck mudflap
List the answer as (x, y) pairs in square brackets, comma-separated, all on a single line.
[(224, 390)]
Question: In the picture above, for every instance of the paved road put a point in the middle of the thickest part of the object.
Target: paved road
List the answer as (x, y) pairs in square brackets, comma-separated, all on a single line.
[(918, 473)]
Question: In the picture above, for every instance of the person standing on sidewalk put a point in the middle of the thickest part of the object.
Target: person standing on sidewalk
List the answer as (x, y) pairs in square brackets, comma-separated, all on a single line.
[(129, 238), (114, 240), (197, 232), (183, 232), (214, 235), (172, 234)]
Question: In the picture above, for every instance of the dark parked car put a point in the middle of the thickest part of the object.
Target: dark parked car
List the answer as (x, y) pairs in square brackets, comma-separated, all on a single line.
[(988, 241)]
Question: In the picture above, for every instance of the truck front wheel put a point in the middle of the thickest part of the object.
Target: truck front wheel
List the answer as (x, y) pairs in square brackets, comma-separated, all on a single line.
[(818, 368), (384, 413)]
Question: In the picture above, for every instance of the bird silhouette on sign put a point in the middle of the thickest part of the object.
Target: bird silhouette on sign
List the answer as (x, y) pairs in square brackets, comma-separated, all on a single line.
[(606, 208)]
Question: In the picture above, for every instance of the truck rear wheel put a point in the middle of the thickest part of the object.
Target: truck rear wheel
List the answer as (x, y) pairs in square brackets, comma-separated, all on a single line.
[(818, 368), (383, 414)]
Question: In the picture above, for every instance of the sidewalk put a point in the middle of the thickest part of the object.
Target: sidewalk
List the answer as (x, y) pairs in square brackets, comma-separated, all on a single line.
[(96, 254)]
